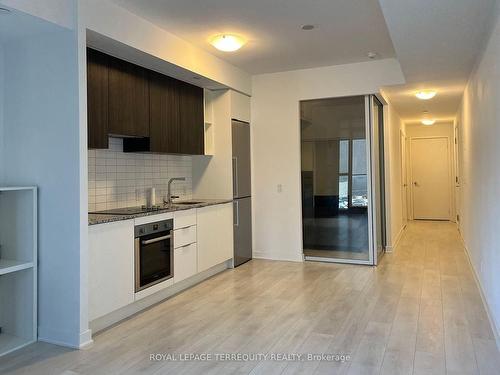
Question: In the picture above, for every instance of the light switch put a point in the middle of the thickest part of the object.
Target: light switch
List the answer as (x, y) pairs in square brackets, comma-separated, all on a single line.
[(280, 188)]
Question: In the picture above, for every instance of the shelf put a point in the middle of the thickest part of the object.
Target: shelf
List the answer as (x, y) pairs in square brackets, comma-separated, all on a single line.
[(9, 343), (9, 266)]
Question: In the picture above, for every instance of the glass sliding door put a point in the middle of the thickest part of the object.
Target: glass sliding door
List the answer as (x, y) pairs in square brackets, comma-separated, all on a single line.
[(334, 180), (338, 179), (379, 212)]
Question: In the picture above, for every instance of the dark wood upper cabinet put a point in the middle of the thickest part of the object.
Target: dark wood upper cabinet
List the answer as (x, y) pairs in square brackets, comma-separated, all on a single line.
[(128, 101), (97, 99), (192, 129), (154, 112), (164, 123)]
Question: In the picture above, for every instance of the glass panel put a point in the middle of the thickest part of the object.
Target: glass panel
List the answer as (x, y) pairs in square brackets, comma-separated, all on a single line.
[(359, 156), (334, 189), (343, 192), (359, 191), (344, 156)]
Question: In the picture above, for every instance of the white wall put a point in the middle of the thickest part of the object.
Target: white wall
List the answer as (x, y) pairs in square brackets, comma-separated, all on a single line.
[(60, 12), (117, 23), (276, 144), (479, 152), (41, 146), (440, 129), (393, 169)]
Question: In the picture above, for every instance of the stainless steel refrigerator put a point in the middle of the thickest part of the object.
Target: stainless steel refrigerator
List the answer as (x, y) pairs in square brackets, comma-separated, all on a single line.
[(242, 194)]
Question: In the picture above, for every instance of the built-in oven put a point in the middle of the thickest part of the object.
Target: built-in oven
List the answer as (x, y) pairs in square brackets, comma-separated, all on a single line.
[(154, 260)]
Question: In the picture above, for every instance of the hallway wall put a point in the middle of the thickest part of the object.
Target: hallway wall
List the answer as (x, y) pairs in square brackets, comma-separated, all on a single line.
[(394, 201), (440, 129), (479, 134)]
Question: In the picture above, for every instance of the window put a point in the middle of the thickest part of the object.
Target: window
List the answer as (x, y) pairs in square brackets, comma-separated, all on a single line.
[(359, 194), (344, 174), (353, 185)]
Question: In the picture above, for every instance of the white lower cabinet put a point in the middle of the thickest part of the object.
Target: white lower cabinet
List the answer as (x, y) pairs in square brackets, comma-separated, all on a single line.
[(214, 235), (111, 267), (203, 238), (185, 262)]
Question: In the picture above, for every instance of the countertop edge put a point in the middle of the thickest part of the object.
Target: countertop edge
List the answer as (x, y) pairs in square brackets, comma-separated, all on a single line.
[(96, 219)]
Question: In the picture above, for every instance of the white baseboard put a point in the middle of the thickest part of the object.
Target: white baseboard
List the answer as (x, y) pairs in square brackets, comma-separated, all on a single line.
[(495, 329), (125, 312), (86, 339), (285, 258), (392, 247)]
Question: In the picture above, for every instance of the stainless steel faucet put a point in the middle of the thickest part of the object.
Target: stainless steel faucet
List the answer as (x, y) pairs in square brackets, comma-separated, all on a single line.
[(168, 202)]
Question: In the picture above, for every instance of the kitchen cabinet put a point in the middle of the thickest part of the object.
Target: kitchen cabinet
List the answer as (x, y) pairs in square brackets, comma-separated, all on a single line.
[(214, 235), (97, 99), (185, 262), (154, 112), (111, 267), (128, 99), (164, 125), (191, 112), (240, 106)]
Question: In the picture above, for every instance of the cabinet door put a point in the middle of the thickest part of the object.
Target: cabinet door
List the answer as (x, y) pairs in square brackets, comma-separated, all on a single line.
[(97, 99), (185, 262), (214, 235), (192, 127), (128, 99), (111, 267), (164, 125)]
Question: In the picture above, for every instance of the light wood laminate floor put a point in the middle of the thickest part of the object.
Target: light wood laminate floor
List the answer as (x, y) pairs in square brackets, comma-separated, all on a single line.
[(419, 312)]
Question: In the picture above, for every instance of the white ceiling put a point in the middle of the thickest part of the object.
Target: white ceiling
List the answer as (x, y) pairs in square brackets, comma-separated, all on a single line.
[(346, 29), (437, 43)]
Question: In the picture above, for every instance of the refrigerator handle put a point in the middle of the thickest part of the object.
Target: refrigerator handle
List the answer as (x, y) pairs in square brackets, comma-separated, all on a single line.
[(236, 213), (235, 176)]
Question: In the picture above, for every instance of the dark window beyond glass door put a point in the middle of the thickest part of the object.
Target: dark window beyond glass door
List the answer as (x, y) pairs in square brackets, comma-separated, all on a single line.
[(334, 179)]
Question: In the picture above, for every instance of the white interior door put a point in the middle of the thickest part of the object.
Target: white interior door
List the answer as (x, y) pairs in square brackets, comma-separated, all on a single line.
[(430, 178), (404, 178)]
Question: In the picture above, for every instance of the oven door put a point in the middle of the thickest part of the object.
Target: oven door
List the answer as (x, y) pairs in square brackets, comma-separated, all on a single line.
[(153, 259)]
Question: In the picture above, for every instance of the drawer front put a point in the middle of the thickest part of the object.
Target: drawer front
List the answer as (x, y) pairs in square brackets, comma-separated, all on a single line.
[(185, 265), (184, 218), (184, 236)]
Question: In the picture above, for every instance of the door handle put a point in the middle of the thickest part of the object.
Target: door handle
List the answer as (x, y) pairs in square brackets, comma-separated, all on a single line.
[(415, 183), (154, 240), (235, 176), (236, 213)]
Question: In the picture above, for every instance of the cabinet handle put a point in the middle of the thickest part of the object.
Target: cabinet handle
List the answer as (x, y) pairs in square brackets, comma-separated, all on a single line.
[(153, 240), (236, 214), (235, 176)]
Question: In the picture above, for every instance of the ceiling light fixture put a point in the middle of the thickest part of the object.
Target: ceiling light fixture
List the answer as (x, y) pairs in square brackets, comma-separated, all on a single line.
[(425, 95), (227, 42), (307, 27), (372, 55), (428, 122)]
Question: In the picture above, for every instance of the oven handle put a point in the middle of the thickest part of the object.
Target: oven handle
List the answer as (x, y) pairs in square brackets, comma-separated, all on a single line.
[(158, 239)]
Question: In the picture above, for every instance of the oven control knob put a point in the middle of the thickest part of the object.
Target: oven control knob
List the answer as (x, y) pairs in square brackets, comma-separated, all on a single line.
[(155, 227), (141, 231)]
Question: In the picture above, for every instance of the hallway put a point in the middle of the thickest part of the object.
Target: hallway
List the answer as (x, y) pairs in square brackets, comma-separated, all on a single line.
[(419, 312)]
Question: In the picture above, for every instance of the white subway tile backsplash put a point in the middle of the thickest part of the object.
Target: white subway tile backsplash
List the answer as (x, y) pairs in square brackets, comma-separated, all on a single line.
[(117, 179)]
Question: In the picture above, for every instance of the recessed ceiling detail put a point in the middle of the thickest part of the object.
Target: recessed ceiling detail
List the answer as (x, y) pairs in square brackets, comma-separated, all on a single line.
[(343, 30)]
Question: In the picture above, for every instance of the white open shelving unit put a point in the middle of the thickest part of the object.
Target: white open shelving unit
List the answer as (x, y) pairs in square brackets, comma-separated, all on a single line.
[(18, 267)]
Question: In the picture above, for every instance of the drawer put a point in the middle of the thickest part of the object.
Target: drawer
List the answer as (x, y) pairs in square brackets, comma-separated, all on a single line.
[(184, 218), (184, 236), (185, 259)]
